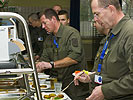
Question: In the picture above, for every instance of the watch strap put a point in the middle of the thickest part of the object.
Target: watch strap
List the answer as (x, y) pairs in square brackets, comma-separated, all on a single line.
[(52, 63)]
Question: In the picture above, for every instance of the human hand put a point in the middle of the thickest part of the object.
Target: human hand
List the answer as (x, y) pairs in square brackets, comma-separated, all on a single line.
[(42, 66), (82, 77), (97, 94)]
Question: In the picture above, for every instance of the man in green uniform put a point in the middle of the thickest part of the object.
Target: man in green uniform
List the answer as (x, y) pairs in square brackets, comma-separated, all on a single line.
[(63, 54), (38, 34), (114, 61)]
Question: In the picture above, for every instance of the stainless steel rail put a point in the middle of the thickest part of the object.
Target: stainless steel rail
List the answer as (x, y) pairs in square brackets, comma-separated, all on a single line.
[(28, 44)]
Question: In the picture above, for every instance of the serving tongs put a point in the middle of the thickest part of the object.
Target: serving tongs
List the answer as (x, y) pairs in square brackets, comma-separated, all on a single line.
[(67, 86), (70, 83)]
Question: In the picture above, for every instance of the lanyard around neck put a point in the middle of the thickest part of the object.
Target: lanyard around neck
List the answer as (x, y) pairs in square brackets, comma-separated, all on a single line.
[(103, 53), (55, 42)]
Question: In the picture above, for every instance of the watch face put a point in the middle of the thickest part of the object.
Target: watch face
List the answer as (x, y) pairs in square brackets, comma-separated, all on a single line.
[(52, 63)]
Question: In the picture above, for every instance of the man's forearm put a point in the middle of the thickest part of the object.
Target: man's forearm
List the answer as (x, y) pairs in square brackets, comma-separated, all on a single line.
[(64, 62)]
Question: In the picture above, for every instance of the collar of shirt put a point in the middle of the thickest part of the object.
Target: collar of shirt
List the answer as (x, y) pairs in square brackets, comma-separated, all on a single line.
[(116, 29), (60, 31)]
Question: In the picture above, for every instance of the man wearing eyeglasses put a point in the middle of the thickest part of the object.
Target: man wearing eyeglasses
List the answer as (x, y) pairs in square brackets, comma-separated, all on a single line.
[(113, 66)]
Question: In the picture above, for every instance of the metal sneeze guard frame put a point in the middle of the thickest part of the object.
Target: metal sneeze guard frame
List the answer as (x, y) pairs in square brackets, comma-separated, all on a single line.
[(28, 44)]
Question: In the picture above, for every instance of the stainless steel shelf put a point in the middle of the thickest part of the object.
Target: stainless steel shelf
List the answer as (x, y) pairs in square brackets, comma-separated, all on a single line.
[(16, 71)]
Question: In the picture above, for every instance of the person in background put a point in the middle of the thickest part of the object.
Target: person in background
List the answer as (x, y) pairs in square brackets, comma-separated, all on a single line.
[(63, 54), (64, 17), (38, 34), (57, 8), (113, 66)]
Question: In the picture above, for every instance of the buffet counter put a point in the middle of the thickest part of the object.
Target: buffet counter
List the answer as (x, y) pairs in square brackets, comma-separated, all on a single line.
[(48, 88)]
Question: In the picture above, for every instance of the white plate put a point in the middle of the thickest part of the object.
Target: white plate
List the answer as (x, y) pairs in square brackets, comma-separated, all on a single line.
[(42, 81), (73, 74), (43, 76)]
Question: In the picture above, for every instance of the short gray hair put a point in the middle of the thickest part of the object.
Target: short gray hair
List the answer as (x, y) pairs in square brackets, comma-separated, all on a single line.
[(103, 3), (34, 16)]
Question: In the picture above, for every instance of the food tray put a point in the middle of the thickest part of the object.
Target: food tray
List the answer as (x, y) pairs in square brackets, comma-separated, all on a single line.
[(13, 94), (6, 93)]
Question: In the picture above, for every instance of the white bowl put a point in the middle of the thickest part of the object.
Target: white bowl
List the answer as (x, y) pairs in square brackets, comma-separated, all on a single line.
[(43, 76)]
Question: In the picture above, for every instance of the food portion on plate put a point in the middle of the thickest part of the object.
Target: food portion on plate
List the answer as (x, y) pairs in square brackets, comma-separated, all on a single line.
[(42, 86), (76, 72), (56, 96), (83, 71)]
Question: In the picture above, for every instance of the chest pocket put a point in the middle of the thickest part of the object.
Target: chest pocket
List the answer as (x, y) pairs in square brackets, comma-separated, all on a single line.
[(115, 63)]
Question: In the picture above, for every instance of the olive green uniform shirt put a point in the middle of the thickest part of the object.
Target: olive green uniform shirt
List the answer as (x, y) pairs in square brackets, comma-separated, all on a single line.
[(117, 66), (69, 45)]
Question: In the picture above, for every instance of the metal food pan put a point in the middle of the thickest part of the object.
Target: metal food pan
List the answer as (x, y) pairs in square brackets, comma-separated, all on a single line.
[(10, 98), (8, 92)]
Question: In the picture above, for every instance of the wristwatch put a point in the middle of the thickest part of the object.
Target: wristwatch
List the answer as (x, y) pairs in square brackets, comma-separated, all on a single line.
[(52, 63)]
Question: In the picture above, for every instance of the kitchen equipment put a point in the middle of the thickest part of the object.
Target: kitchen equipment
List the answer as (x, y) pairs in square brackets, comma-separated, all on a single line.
[(8, 34)]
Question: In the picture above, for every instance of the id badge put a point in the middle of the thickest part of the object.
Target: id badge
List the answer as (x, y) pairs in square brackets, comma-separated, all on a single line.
[(40, 39), (98, 79)]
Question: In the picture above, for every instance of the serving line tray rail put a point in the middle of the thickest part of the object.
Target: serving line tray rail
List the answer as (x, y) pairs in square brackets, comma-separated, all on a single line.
[(16, 71)]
